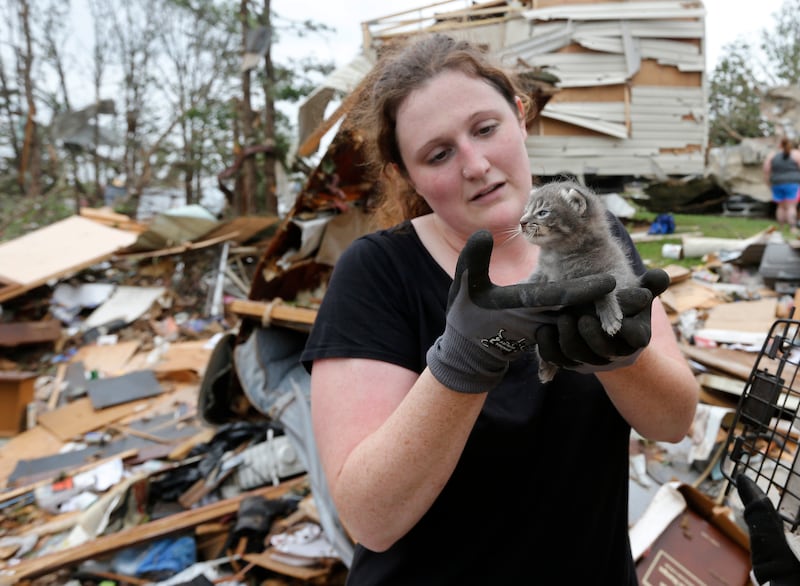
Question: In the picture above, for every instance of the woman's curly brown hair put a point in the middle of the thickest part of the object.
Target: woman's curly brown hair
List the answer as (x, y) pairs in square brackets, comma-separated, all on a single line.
[(402, 68)]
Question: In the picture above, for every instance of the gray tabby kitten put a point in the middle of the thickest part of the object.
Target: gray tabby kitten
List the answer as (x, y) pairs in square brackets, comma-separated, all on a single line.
[(569, 224)]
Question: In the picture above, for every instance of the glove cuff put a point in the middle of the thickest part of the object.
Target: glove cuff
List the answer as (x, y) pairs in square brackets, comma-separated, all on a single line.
[(460, 365)]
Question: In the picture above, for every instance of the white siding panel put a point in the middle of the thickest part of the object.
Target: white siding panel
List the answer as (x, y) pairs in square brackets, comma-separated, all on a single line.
[(619, 10), (660, 166), (545, 40), (618, 130), (538, 146), (611, 111), (662, 29)]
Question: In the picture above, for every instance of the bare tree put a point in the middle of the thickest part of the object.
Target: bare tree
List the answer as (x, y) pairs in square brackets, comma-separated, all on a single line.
[(246, 181), (200, 56), (9, 104), (134, 28), (100, 58), (270, 157), (30, 162)]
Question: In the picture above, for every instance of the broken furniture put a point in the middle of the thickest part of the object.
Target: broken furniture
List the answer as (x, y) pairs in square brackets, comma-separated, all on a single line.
[(16, 391)]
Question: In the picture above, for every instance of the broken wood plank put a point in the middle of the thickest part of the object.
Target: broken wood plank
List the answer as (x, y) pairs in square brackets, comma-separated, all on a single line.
[(139, 534), (277, 311), (713, 358), (180, 249), (58, 382), (108, 359), (266, 561), (76, 418), (34, 332), (28, 261), (721, 383), (109, 217)]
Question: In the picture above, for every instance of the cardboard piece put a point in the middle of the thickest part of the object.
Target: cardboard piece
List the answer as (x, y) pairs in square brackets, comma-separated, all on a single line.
[(744, 322), (700, 546), (689, 294), (109, 360)]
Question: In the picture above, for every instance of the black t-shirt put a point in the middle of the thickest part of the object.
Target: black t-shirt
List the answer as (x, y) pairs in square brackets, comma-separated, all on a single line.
[(540, 494)]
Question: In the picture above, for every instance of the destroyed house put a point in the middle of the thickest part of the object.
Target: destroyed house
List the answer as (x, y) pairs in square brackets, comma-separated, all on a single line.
[(628, 79)]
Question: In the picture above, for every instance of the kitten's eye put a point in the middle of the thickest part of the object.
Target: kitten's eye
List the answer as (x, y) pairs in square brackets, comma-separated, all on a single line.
[(542, 214)]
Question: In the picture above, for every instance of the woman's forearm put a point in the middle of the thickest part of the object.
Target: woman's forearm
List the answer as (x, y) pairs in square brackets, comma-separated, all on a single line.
[(658, 394), (393, 474)]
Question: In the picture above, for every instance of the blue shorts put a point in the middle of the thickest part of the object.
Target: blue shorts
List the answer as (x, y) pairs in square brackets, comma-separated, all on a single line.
[(785, 192)]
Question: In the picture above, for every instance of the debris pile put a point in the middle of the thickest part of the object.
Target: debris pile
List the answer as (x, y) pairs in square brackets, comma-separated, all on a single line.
[(109, 468), (156, 415)]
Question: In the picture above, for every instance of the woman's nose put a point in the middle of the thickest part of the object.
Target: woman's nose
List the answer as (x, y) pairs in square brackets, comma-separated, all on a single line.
[(474, 164)]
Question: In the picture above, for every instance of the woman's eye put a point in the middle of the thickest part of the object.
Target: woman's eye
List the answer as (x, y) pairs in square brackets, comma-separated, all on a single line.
[(438, 156), (486, 129)]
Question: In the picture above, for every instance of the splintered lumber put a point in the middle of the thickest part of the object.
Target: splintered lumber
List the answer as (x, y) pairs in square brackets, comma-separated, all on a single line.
[(273, 311), (266, 560), (107, 544), (21, 333), (714, 360), (721, 383), (109, 217)]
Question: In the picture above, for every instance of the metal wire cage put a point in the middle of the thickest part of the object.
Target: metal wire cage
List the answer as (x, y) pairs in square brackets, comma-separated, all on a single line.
[(764, 436)]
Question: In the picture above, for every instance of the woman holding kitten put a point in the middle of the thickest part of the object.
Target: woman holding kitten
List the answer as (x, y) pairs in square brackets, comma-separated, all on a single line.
[(448, 461)]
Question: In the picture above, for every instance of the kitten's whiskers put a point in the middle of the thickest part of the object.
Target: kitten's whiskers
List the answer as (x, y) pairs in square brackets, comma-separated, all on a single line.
[(509, 234)]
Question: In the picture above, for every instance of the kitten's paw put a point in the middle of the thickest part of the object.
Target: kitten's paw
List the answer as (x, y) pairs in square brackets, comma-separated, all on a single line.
[(610, 315), (611, 325), (547, 371)]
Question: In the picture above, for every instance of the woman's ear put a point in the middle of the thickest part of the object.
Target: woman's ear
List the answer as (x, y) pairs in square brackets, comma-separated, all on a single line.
[(521, 114)]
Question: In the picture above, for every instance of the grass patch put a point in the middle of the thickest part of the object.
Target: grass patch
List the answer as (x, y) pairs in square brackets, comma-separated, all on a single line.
[(710, 226)]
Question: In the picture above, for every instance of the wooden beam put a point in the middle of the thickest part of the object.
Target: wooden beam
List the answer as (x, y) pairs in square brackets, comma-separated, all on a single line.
[(277, 311), (709, 359), (139, 534)]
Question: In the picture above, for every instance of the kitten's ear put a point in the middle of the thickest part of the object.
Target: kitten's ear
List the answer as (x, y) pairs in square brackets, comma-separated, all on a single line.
[(576, 200)]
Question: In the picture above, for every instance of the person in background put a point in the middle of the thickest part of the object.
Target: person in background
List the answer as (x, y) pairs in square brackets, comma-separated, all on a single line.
[(782, 174), (447, 459)]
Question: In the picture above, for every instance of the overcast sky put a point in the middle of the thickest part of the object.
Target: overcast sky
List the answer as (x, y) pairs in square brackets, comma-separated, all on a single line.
[(725, 21)]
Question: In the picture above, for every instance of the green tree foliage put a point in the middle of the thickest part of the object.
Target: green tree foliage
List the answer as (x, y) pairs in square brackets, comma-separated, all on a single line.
[(740, 80), (781, 45), (734, 98)]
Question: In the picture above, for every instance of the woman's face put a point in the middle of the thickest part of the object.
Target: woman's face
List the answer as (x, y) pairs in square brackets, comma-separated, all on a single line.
[(464, 149)]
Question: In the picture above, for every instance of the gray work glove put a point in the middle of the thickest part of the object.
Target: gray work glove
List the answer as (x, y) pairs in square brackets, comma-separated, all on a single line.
[(488, 326), (576, 341)]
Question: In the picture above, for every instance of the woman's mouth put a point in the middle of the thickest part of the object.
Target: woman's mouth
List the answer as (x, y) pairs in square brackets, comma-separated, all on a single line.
[(486, 191)]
